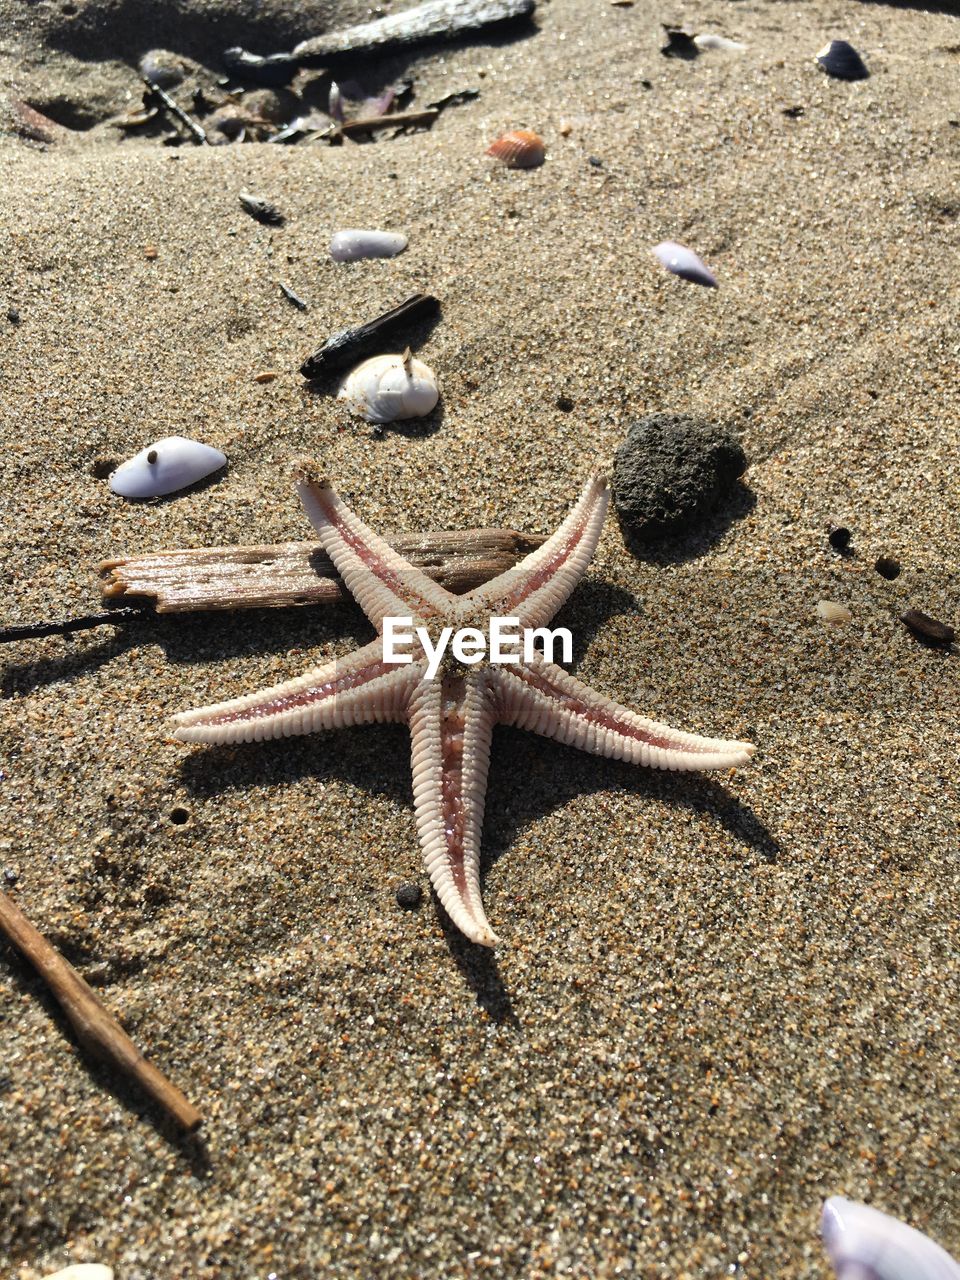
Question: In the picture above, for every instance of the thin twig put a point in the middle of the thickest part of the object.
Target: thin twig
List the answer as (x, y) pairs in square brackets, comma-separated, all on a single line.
[(198, 134), (96, 1029), (64, 626), (369, 123)]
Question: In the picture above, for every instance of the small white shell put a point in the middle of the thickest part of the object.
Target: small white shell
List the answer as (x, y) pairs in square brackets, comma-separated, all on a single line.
[(385, 388), (171, 464), (83, 1271), (865, 1243), (349, 246), (683, 262), (711, 40)]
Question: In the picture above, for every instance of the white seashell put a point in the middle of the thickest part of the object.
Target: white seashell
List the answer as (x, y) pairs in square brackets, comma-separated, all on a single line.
[(865, 1244), (385, 388), (684, 262), (83, 1271), (710, 40), (830, 611), (171, 464), (349, 246)]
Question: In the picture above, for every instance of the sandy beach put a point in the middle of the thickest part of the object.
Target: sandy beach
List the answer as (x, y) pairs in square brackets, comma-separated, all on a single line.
[(718, 998)]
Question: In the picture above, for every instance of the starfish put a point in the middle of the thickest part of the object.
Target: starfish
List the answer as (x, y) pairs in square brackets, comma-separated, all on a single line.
[(452, 715)]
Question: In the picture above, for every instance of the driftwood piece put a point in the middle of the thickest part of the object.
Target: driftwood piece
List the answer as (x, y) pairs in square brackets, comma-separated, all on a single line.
[(97, 1030), (292, 573), (434, 20)]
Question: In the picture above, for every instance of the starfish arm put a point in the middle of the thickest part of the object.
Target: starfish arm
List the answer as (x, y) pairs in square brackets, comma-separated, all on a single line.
[(382, 582), (357, 689), (451, 724), (548, 700), (536, 588)]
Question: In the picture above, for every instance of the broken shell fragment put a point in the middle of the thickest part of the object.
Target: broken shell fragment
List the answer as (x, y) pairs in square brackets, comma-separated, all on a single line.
[(171, 464), (863, 1242), (831, 612), (841, 60), (518, 149), (683, 262), (350, 246), (385, 388)]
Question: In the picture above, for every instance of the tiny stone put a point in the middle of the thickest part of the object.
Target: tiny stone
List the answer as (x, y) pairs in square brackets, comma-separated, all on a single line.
[(672, 471), (409, 896), (150, 252), (835, 614), (13, 315), (595, 161), (927, 628), (267, 376), (10, 876), (839, 537), (888, 567), (564, 404)]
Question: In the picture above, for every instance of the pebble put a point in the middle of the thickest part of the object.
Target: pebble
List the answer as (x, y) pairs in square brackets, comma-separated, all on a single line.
[(927, 628), (163, 68), (13, 315), (888, 567), (10, 876), (839, 537), (268, 375), (671, 471), (833, 613), (409, 896)]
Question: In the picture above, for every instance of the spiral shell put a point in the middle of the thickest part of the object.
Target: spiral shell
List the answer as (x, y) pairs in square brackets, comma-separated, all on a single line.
[(519, 149), (385, 388)]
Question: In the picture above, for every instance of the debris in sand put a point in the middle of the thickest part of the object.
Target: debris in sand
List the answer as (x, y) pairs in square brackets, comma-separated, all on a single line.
[(261, 210), (345, 348)]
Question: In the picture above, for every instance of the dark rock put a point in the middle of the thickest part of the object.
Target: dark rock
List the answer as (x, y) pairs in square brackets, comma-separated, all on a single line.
[(888, 567), (564, 404), (926, 628), (839, 537), (841, 60), (409, 896), (10, 876), (13, 315), (671, 471)]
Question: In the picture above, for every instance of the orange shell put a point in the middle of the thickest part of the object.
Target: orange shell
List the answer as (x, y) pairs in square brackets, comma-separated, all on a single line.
[(518, 149)]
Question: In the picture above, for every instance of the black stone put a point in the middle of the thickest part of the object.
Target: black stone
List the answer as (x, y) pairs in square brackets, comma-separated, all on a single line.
[(409, 896), (10, 876), (841, 60), (839, 537), (13, 315), (564, 404), (927, 628), (888, 567), (672, 471)]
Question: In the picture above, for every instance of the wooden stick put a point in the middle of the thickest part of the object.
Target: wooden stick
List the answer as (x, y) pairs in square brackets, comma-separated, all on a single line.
[(293, 573), (96, 1029), (367, 124)]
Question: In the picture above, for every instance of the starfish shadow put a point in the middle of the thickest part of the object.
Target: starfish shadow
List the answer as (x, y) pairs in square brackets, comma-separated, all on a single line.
[(561, 774)]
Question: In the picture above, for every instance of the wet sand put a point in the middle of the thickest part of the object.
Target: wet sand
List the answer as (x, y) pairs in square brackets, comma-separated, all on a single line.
[(718, 999)]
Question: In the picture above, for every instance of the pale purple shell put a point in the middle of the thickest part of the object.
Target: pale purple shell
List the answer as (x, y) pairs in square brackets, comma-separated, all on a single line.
[(349, 246), (865, 1244), (683, 262)]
